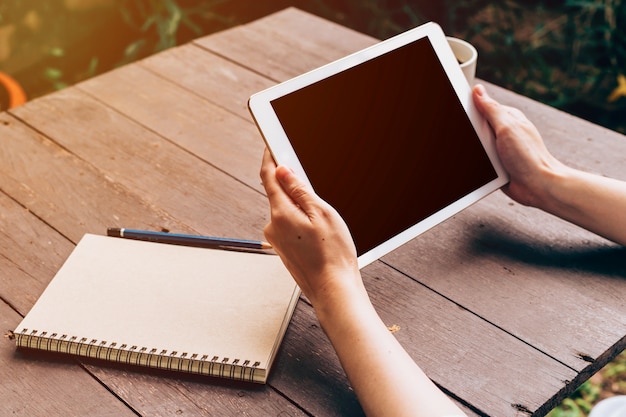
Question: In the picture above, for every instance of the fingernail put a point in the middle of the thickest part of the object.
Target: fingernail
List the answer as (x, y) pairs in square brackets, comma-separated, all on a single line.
[(283, 172)]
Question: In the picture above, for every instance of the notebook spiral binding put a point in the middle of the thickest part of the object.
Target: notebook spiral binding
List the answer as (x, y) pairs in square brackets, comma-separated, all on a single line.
[(134, 355)]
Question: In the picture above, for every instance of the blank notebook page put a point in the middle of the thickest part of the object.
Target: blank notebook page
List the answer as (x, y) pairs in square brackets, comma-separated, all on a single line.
[(228, 304)]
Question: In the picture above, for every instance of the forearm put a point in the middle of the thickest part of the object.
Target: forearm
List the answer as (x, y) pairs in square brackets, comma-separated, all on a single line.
[(591, 201), (385, 378), (315, 245)]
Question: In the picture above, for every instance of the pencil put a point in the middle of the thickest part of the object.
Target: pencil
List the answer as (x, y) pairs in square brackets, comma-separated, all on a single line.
[(187, 240)]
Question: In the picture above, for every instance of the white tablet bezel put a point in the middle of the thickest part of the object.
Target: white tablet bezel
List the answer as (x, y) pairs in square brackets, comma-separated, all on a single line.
[(279, 145)]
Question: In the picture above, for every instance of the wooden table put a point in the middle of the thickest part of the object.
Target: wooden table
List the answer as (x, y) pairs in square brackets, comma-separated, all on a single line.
[(507, 308)]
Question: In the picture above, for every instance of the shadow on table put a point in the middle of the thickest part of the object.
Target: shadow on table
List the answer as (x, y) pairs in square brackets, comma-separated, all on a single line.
[(597, 257)]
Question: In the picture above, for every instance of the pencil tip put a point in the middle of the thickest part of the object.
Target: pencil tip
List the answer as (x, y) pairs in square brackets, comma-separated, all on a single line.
[(265, 245)]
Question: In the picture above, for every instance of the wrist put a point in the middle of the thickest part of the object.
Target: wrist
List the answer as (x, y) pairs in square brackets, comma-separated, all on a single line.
[(555, 188), (340, 303)]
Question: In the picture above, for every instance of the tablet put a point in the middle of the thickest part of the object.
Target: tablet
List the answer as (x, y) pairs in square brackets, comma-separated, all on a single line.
[(389, 136)]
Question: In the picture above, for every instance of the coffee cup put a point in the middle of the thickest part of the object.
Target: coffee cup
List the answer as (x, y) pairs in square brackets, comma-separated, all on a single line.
[(466, 55)]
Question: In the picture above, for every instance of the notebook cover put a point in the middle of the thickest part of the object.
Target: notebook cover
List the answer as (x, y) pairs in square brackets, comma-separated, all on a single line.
[(208, 311)]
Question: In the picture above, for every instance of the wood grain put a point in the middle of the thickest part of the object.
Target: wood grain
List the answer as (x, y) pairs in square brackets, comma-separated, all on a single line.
[(195, 124), (163, 174), (66, 191), (211, 76), (505, 307), (536, 314), (35, 385)]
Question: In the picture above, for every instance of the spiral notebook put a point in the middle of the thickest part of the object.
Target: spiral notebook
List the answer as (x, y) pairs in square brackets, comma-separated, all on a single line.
[(205, 311)]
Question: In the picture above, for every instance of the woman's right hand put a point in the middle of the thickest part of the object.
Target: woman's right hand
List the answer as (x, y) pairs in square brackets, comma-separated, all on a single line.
[(309, 235)]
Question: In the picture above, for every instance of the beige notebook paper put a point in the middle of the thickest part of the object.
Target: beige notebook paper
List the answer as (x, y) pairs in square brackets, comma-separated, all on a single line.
[(206, 311)]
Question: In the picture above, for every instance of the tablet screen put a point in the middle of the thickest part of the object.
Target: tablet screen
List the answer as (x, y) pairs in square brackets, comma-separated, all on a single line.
[(386, 142)]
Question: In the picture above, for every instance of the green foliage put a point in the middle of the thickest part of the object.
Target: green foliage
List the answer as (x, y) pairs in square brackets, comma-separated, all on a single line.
[(56, 43), (580, 403), (50, 47), (571, 55), (159, 23), (610, 380)]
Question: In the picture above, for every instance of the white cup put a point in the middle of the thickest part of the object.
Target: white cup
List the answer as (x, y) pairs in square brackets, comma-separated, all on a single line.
[(610, 407), (467, 56)]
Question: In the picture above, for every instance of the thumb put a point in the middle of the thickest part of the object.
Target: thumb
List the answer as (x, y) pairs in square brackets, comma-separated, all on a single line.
[(487, 106), (299, 191)]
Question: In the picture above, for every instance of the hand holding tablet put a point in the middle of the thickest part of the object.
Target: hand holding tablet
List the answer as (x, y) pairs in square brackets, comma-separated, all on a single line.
[(388, 136)]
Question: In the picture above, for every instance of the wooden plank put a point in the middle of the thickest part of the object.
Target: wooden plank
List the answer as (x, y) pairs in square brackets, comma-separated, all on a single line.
[(66, 192), (163, 174), (282, 52), (575, 141), (212, 77), (29, 385), (561, 292), (123, 383), (609, 159), (547, 119), (440, 336), (34, 387), (134, 387), (155, 393), (566, 347), (31, 253), (150, 394), (123, 388), (164, 395), (308, 370), (212, 133), (248, 48), (463, 353), (33, 382), (545, 281), (329, 36), (114, 100)]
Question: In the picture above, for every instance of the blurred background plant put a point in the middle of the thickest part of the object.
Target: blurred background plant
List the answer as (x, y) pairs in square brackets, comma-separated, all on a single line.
[(570, 54), (609, 381), (48, 45), (162, 24)]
